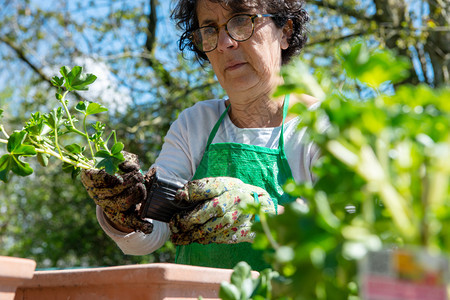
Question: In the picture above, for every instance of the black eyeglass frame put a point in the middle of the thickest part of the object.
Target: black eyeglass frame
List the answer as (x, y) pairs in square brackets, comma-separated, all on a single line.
[(217, 28)]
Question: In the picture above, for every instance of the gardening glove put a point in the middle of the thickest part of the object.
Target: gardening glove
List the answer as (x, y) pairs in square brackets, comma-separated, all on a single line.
[(119, 195), (218, 218)]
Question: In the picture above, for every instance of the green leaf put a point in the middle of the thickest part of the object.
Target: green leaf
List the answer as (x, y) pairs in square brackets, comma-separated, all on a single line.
[(54, 119), (117, 148), (81, 107), (76, 79), (43, 159), (81, 82), (241, 272), (15, 144), (264, 287), (90, 108), (12, 162), (57, 81), (261, 242), (95, 108), (70, 76), (36, 125), (110, 162), (353, 57), (65, 73), (99, 127), (73, 170), (5, 167), (299, 80), (288, 88), (228, 292), (383, 66), (74, 148), (372, 67)]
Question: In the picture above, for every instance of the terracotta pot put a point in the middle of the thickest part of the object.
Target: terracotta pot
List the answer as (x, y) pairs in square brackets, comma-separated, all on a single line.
[(13, 273), (147, 281)]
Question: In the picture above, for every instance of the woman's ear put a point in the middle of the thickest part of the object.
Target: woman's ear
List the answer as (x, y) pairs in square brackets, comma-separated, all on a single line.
[(287, 32)]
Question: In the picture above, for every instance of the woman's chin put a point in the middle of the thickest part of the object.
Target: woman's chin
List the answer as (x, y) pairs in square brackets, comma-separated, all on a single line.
[(240, 84)]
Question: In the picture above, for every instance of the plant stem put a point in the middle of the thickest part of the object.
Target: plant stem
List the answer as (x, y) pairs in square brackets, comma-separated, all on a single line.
[(59, 155), (71, 158), (425, 218), (115, 138), (74, 129), (69, 116), (367, 166), (267, 232), (105, 143), (4, 131), (87, 136), (77, 131), (75, 163), (56, 142)]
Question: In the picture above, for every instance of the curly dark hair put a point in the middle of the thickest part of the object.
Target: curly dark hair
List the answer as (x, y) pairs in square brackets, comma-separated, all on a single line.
[(185, 14)]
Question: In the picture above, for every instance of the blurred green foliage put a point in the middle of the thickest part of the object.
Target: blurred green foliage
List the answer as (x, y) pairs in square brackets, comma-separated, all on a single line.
[(382, 181)]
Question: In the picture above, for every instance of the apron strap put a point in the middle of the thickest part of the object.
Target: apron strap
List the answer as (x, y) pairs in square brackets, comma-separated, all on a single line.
[(217, 125), (285, 110), (216, 128)]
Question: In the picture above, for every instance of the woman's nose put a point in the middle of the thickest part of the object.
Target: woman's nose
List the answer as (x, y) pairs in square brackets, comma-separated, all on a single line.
[(225, 41)]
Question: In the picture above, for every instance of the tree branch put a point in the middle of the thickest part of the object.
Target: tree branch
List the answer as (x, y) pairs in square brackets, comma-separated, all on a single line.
[(151, 27), (21, 55), (349, 11), (194, 89), (150, 45), (337, 39), (19, 52)]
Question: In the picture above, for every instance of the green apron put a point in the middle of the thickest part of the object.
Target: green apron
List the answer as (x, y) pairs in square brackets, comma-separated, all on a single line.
[(255, 165)]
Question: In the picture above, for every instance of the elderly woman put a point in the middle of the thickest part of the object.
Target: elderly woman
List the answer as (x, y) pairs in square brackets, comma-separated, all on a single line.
[(248, 135)]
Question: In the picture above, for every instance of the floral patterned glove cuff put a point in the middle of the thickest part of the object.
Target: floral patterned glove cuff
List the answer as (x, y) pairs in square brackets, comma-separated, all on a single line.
[(219, 218)]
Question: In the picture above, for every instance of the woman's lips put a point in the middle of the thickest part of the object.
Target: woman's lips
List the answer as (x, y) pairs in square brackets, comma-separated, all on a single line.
[(234, 66)]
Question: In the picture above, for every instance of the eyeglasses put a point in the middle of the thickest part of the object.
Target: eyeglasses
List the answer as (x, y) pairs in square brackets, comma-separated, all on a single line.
[(240, 28)]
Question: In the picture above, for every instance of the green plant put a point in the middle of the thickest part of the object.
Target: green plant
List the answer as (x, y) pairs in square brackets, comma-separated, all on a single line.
[(43, 134), (382, 181), (245, 285)]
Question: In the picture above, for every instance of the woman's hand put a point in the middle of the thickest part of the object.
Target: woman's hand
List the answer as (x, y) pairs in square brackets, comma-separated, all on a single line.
[(219, 218), (118, 195)]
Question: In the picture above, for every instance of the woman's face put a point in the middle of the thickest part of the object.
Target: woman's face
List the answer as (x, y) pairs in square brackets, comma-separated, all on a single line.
[(250, 67)]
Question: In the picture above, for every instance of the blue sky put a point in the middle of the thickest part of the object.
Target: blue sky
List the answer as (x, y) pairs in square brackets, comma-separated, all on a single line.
[(41, 53)]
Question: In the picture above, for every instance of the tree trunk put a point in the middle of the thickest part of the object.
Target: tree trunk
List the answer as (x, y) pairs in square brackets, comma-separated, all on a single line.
[(391, 18), (438, 42)]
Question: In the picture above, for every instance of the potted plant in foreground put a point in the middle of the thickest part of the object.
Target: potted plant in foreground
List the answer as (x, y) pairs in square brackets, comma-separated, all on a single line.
[(382, 191)]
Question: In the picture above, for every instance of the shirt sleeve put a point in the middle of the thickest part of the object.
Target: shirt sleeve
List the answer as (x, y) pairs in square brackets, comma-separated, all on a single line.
[(186, 140), (181, 152), (136, 243)]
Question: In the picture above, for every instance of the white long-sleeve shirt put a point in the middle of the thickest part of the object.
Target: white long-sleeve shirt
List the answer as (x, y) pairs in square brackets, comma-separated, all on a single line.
[(183, 149)]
